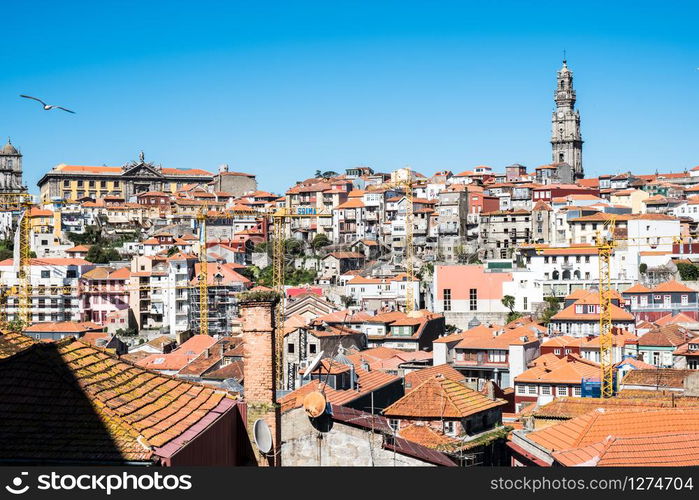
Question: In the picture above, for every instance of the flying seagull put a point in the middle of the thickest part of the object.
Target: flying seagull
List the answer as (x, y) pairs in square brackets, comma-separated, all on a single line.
[(47, 107)]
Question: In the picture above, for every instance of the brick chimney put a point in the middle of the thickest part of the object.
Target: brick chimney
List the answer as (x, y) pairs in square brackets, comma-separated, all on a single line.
[(259, 362)]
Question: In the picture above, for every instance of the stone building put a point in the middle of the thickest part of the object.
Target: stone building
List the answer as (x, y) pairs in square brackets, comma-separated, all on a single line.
[(504, 230), (566, 141), (235, 183), (73, 182), (11, 170)]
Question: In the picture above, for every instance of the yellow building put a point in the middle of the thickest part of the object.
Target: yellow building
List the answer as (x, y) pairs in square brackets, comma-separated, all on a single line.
[(74, 182)]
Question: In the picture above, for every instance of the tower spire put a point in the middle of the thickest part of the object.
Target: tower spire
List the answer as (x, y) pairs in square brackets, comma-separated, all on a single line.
[(566, 141)]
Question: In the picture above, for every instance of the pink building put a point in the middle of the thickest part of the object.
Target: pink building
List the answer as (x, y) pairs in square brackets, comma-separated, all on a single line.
[(102, 292)]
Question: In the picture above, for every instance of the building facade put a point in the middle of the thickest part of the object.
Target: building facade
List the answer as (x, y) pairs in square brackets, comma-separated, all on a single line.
[(73, 182)]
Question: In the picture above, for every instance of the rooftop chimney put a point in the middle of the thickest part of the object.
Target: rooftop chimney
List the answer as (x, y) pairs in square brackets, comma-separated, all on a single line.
[(260, 365)]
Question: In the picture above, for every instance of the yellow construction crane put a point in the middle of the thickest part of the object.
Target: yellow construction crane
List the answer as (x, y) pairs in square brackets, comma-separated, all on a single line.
[(403, 178), (605, 247), (22, 203), (202, 216), (605, 243), (280, 218)]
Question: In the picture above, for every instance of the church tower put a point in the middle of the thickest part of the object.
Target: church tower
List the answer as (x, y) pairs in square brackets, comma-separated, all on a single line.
[(11, 170), (566, 142)]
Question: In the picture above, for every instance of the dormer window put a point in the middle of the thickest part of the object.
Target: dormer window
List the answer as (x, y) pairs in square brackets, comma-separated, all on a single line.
[(578, 309)]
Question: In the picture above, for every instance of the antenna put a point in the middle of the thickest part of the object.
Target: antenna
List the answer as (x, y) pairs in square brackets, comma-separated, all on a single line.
[(262, 436), (313, 364), (314, 404)]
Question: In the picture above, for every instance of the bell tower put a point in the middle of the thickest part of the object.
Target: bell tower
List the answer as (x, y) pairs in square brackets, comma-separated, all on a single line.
[(11, 170), (566, 141)]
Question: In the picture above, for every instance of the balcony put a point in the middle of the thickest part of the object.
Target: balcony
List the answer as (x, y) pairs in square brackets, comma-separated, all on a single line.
[(665, 306)]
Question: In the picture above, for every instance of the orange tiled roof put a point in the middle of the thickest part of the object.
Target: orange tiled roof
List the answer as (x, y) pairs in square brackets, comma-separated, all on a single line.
[(672, 286), (665, 336), (637, 288), (93, 406), (617, 313), (63, 327), (426, 436), (571, 407), (438, 397), (415, 378), (678, 318), (675, 449), (595, 426), (570, 369), (367, 382)]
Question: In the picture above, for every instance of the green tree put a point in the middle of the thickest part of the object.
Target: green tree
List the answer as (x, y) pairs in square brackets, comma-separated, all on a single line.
[(643, 268), (172, 251), (6, 249), (321, 240), (552, 307), (16, 326), (346, 300), (509, 302), (688, 272), (100, 255)]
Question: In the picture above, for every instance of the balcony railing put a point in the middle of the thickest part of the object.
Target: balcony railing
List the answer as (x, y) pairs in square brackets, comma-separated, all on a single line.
[(663, 306)]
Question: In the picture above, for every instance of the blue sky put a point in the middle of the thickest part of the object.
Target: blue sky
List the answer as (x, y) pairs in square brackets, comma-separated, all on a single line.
[(282, 89)]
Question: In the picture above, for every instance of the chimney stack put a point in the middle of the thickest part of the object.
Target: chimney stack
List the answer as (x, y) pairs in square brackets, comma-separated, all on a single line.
[(260, 364)]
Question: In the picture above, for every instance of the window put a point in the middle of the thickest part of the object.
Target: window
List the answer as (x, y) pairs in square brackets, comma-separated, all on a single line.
[(546, 390), (568, 351), (587, 259), (290, 349), (590, 309), (447, 299), (473, 299), (496, 356), (577, 391), (71, 273), (561, 390), (66, 184), (45, 274), (312, 348), (525, 303), (80, 183), (557, 352), (394, 423), (449, 428), (520, 389), (531, 389), (684, 300)]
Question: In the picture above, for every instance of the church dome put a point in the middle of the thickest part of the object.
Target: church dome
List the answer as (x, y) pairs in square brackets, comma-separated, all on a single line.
[(9, 149)]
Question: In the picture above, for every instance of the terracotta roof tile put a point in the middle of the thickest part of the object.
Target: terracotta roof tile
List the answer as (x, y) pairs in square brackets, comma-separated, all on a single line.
[(79, 403), (439, 397)]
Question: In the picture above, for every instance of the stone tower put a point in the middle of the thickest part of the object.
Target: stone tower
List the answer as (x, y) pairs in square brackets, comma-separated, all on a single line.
[(566, 142), (11, 170)]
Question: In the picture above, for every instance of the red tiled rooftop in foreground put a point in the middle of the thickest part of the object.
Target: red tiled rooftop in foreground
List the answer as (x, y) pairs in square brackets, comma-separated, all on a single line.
[(594, 427), (69, 401)]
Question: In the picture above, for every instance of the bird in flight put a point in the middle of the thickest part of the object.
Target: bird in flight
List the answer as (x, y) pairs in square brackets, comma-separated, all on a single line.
[(47, 107)]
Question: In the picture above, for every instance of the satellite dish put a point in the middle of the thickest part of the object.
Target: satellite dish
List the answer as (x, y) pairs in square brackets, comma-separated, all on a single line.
[(313, 365), (314, 403), (262, 436)]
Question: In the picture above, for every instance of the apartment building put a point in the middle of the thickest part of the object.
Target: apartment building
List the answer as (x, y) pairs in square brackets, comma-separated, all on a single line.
[(54, 285), (104, 291)]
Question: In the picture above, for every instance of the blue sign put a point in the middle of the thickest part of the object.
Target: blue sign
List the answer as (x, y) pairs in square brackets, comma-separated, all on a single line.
[(305, 211)]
